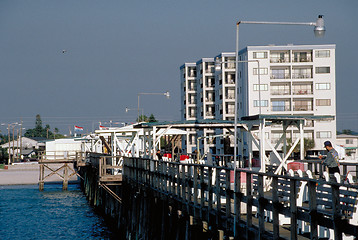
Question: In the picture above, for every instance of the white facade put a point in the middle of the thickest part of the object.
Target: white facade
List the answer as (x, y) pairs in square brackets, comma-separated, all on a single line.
[(188, 86), (294, 80)]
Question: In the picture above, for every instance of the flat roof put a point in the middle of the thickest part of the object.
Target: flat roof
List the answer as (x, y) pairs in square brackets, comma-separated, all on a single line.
[(287, 47), (286, 117)]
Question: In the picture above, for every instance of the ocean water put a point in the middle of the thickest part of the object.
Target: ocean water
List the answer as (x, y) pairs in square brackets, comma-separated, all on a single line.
[(27, 213)]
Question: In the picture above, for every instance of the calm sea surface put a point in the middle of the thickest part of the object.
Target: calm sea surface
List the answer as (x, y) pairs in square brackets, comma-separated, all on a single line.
[(27, 213)]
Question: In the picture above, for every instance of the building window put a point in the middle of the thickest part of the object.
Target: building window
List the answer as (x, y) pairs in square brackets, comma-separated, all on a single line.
[(323, 86), (324, 134), (263, 71), (323, 69), (322, 53), (260, 87), (282, 89), (280, 105), (259, 55), (264, 103), (323, 102), (349, 141)]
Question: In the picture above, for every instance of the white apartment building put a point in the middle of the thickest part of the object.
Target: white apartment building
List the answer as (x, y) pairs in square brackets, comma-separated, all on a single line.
[(294, 80), (188, 86)]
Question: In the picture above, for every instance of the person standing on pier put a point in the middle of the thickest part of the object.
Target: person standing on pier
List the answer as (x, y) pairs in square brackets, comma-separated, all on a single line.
[(159, 155), (331, 161)]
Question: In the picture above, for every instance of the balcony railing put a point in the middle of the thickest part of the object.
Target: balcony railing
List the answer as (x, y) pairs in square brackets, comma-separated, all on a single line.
[(303, 59), (302, 108), (278, 92), (210, 70), (281, 108), (280, 76), (230, 81), (230, 111), (230, 65), (301, 75), (230, 96), (209, 99), (302, 92), (209, 114), (279, 59)]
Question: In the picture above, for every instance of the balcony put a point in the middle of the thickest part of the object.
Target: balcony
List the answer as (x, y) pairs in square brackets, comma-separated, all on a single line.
[(210, 114), (230, 65), (230, 96), (279, 59), (303, 108), (280, 108), (210, 69), (301, 75), (229, 81), (302, 92), (302, 56), (280, 92), (280, 76)]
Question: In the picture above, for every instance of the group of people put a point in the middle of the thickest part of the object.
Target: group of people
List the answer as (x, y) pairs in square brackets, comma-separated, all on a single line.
[(331, 161)]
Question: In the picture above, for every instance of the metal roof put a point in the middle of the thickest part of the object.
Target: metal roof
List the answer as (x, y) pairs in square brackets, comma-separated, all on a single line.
[(205, 123)]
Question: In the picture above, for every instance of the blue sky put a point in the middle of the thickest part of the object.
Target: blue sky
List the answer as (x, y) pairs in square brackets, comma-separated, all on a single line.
[(116, 49)]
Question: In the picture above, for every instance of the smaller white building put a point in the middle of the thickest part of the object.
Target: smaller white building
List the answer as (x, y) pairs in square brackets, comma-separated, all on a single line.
[(350, 144)]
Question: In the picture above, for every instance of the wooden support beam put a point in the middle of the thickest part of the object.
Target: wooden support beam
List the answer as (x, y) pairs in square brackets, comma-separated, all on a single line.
[(106, 145)]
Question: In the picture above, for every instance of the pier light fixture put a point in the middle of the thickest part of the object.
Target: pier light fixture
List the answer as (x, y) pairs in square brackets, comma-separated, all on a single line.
[(319, 31), (167, 94)]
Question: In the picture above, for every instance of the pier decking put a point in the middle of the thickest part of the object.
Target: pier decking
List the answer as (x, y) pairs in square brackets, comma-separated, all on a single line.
[(152, 199)]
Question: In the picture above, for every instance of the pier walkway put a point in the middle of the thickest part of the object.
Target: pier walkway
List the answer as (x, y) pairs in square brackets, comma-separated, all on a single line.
[(161, 199)]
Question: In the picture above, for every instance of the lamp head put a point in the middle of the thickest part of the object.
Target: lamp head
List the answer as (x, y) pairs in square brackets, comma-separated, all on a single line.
[(319, 29), (126, 109), (167, 94)]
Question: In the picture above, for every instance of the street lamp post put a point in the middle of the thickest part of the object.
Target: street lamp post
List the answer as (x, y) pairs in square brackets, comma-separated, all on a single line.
[(165, 94), (130, 109), (319, 30)]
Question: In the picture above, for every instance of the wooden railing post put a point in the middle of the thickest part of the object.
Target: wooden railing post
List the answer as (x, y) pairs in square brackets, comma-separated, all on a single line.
[(237, 204), (293, 208), (275, 213), (337, 222), (313, 209), (261, 209), (248, 204)]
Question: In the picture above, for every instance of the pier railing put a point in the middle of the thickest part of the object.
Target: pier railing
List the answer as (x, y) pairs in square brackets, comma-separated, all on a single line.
[(236, 203)]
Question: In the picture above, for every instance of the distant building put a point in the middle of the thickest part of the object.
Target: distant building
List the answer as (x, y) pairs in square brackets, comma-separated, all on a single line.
[(294, 80), (350, 144)]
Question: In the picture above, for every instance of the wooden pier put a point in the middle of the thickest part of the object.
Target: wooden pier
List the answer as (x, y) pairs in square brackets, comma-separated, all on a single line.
[(61, 164), (151, 199)]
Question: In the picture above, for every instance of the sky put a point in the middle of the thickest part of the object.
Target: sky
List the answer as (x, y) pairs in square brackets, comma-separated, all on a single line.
[(117, 49)]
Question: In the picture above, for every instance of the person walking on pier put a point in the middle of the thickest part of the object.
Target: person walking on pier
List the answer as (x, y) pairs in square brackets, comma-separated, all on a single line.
[(331, 161)]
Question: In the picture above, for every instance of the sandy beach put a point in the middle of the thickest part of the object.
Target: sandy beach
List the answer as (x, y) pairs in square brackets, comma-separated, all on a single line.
[(28, 173)]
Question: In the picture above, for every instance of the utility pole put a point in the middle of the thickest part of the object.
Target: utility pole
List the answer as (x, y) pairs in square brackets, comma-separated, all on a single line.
[(21, 137), (13, 143), (9, 138)]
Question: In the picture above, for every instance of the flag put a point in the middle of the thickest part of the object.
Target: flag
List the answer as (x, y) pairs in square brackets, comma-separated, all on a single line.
[(102, 127), (77, 128)]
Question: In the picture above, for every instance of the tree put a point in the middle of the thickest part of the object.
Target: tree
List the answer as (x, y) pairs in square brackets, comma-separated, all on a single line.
[(152, 118), (40, 131), (308, 143), (142, 118), (347, 131)]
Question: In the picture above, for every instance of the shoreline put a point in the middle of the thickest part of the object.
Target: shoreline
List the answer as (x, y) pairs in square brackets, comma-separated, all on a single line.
[(28, 174)]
